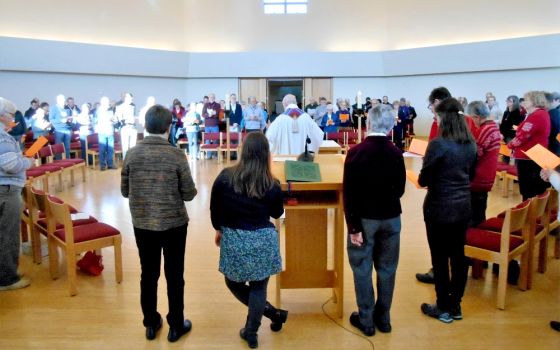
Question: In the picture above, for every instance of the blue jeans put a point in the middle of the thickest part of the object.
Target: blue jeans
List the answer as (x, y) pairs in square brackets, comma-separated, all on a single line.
[(193, 144), (211, 129), (63, 137), (380, 249), (106, 150)]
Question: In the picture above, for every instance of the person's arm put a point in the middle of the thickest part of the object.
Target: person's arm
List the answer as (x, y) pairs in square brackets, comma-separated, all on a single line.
[(205, 111), (12, 161), (124, 179), (276, 201), (522, 135), (400, 180), (263, 120), (187, 188), (216, 203), (351, 194), (430, 164)]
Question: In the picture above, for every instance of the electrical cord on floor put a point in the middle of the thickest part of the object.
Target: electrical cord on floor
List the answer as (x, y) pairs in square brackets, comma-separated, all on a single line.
[(341, 326)]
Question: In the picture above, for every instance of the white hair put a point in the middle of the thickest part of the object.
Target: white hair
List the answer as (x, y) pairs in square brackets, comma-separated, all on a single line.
[(289, 99), (6, 107), (380, 119)]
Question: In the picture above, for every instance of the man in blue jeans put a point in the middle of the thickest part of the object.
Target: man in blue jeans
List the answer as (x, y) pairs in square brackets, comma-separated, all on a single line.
[(374, 180), (62, 123)]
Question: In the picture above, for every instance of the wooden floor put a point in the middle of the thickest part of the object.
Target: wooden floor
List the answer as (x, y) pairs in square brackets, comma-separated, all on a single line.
[(106, 315)]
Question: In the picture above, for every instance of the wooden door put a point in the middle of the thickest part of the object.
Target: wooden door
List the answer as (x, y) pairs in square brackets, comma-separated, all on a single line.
[(316, 88)]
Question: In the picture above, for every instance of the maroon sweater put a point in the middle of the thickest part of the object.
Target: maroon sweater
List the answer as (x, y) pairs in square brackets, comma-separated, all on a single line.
[(488, 147), (535, 129), (208, 119), (374, 180)]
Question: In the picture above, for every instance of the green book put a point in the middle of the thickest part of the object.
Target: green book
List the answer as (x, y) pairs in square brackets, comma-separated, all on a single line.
[(302, 171)]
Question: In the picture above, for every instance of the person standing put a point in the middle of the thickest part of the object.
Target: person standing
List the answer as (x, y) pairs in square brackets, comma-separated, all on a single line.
[(157, 181), (236, 113), (330, 122), (535, 129), (191, 123), (106, 133), (19, 130), (374, 182), (446, 170), (210, 116), (124, 113), (288, 133), (553, 101), (488, 148), (12, 180), (243, 199), (253, 116), (511, 117), (34, 105), (62, 123)]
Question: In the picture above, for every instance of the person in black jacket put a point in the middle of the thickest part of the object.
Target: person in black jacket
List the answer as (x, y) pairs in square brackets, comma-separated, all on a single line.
[(19, 130), (373, 218), (447, 171), (512, 116)]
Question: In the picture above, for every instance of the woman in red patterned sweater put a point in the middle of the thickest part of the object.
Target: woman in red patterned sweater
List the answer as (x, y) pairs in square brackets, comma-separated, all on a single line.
[(532, 131)]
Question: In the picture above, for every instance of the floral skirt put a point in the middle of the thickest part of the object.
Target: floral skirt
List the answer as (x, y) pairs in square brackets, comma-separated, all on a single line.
[(249, 255)]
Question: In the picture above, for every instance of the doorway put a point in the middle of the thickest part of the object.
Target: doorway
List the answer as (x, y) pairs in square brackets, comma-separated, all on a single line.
[(277, 89)]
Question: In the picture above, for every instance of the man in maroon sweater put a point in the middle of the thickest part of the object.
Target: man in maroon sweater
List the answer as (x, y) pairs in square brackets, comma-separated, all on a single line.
[(374, 180), (210, 115), (488, 147)]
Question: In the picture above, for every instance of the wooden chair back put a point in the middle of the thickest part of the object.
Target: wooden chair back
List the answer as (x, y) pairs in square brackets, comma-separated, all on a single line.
[(59, 148), (60, 214)]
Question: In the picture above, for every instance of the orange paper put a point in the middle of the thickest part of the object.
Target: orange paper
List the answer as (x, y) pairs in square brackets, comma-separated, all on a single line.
[(543, 157), (418, 147), (344, 117), (504, 150), (558, 137), (36, 146), (412, 177)]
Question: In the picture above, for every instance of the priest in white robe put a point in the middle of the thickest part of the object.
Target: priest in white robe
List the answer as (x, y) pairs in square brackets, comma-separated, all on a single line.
[(288, 133)]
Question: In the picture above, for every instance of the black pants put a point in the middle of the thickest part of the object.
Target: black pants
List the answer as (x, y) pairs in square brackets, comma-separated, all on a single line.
[(254, 296), (478, 206), (530, 182), (150, 245), (447, 247)]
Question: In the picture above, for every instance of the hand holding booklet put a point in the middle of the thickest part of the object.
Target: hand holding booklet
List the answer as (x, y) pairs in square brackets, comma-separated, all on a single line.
[(543, 157), (36, 146)]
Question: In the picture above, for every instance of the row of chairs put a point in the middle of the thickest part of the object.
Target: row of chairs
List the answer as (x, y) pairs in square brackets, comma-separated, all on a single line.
[(515, 233), (53, 167), (75, 146), (48, 216), (92, 147)]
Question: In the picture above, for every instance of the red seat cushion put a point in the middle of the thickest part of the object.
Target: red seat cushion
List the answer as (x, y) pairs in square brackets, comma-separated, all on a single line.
[(209, 146), (71, 162), (43, 222), (489, 240), (49, 167), (496, 224), (35, 172), (89, 232)]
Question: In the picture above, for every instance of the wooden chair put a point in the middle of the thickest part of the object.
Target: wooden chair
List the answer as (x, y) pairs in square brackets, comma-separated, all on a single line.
[(233, 146), (92, 148), (77, 239), (503, 247), (213, 137), (68, 165), (75, 145), (339, 137), (551, 223), (117, 149)]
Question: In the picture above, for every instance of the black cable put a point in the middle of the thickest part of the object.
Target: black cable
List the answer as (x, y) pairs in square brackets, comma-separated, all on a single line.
[(341, 326)]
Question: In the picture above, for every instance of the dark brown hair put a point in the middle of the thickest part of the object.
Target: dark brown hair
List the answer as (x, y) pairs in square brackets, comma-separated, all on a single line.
[(252, 176), (158, 119), (452, 123)]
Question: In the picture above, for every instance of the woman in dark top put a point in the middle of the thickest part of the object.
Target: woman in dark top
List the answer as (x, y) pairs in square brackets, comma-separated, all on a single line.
[(244, 197), (447, 170), (512, 116)]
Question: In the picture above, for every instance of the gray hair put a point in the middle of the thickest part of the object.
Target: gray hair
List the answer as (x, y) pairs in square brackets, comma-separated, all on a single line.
[(551, 96), (6, 107), (288, 100), (380, 119), (479, 109)]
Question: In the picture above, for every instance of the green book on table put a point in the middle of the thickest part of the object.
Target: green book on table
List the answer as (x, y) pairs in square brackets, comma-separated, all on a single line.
[(302, 171)]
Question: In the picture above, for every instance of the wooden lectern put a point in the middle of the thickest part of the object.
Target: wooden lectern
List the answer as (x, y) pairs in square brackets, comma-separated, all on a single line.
[(306, 226)]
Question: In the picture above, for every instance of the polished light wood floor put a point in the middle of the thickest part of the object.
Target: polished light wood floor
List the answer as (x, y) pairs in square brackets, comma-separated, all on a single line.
[(106, 315)]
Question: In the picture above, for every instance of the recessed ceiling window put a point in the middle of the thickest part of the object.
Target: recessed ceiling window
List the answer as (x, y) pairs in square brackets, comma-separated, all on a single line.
[(280, 7)]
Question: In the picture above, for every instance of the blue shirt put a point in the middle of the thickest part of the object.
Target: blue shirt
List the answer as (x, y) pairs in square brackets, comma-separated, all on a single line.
[(57, 117), (12, 162), (334, 126), (253, 118)]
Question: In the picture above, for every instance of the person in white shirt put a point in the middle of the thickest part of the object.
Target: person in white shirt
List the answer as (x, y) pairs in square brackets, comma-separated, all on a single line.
[(495, 111), (125, 115), (288, 133), (150, 101)]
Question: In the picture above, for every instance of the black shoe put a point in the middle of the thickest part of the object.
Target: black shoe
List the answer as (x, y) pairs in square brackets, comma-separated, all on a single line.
[(355, 321), (456, 313), (151, 331), (555, 325), (112, 168), (382, 326), (278, 318), (434, 311), (102, 168), (251, 338), (427, 277), (176, 333)]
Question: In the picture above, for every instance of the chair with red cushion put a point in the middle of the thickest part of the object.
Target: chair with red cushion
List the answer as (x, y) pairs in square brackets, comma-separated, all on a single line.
[(553, 221), (234, 144), (339, 137), (37, 211), (68, 164), (92, 148), (503, 247), (77, 239), (210, 147)]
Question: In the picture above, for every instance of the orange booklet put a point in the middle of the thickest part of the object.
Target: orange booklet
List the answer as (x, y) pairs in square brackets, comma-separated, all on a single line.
[(418, 147), (543, 157), (504, 150), (413, 178), (36, 146), (344, 117), (558, 137)]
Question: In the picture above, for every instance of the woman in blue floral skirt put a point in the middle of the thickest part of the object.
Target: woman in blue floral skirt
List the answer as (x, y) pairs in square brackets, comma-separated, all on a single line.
[(244, 197)]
